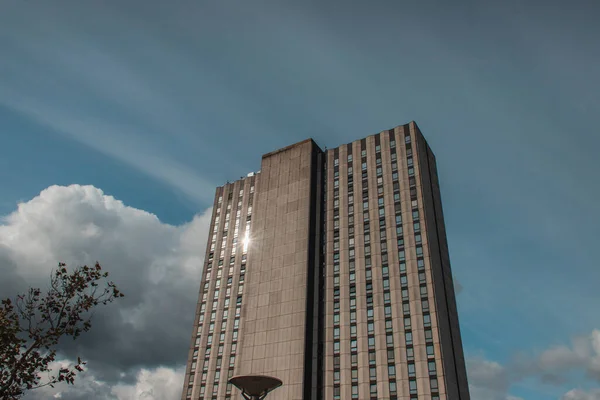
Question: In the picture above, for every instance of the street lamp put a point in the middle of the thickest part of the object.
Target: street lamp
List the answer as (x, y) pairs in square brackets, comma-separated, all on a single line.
[(255, 387)]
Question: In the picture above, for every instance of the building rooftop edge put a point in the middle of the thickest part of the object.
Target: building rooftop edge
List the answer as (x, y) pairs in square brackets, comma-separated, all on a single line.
[(272, 153), (290, 147)]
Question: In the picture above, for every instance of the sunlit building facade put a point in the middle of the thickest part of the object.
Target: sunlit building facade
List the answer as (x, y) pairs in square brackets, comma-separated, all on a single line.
[(330, 270)]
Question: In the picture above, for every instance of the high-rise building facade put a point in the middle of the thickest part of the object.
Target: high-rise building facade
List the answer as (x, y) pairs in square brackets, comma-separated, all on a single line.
[(330, 270)]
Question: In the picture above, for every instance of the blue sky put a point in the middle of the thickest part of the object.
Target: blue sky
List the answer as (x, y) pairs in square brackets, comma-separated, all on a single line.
[(157, 103)]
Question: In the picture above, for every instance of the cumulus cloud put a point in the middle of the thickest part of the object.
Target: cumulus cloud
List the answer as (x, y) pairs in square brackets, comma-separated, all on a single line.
[(491, 381), (583, 354), (578, 394), (141, 338), (159, 383), (488, 380)]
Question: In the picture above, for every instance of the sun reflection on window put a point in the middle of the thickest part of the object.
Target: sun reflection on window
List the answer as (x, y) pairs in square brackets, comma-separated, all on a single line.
[(246, 241)]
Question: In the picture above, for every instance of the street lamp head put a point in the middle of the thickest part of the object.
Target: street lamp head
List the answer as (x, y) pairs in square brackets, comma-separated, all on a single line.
[(255, 387)]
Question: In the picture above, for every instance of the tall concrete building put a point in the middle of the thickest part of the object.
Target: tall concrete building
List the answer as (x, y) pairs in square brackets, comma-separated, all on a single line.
[(330, 270)]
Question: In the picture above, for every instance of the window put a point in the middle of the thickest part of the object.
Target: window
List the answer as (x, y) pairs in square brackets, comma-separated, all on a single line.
[(429, 349), (431, 367), (336, 392), (372, 358), (404, 294), (428, 335), (373, 373), (426, 320), (373, 389), (412, 386), (393, 389), (401, 255), (408, 337), (411, 370), (336, 375), (391, 371), (371, 342), (388, 311), (390, 354)]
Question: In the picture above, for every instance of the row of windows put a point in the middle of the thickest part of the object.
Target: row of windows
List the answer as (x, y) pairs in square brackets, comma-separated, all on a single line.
[(385, 281), (215, 298), (428, 333), (369, 289)]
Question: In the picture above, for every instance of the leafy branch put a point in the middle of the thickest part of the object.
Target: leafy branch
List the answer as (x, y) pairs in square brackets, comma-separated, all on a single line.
[(32, 325)]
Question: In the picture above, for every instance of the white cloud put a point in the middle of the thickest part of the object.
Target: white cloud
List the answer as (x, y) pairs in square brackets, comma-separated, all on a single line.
[(138, 344), (583, 354), (578, 394), (157, 384), (488, 380)]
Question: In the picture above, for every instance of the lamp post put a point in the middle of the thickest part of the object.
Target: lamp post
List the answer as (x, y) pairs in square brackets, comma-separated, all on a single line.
[(255, 387)]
